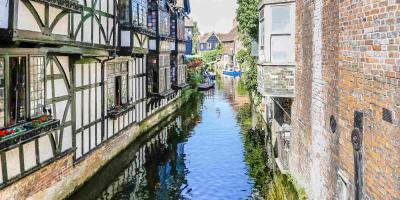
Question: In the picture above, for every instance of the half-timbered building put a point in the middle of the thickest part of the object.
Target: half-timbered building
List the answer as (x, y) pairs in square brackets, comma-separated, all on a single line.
[(73, 74)]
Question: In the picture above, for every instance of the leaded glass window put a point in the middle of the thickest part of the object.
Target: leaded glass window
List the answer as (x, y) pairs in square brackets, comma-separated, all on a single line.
[(124, 11), (117, 84), (163, 25), (139, 12), (36, 86), (152, 19), (181, 29), (173, 27)]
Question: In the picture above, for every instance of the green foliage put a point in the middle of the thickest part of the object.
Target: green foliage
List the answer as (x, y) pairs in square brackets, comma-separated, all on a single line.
[(247, 17), (196, 37), (271, 186), (195, 78), (213, 55), (284, 187)]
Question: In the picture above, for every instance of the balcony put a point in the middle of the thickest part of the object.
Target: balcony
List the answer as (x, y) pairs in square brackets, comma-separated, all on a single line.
[(276, 80)]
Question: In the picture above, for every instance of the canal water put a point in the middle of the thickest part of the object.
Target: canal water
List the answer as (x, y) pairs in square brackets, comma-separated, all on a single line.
[(199, 154)]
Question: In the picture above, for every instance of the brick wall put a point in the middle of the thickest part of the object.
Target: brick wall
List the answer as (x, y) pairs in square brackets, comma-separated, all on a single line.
[(348, 59)]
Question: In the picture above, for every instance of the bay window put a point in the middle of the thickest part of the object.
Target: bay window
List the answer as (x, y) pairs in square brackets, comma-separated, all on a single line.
[(277, 26)]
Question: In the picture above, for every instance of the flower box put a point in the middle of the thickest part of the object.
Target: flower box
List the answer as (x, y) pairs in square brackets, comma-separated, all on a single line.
[(23, 132), (117, 112)]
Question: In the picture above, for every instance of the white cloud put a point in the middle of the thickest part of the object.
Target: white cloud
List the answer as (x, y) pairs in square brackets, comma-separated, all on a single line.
[(213, 15)]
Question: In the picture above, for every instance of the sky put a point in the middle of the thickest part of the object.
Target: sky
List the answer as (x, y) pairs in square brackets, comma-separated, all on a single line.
[(213, 15)]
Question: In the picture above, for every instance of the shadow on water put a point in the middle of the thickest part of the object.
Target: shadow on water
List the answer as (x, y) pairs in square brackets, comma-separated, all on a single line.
[(214, 147), (148, 166)]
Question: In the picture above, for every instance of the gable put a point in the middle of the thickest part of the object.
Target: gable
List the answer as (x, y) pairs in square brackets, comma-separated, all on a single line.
[(213, 39)]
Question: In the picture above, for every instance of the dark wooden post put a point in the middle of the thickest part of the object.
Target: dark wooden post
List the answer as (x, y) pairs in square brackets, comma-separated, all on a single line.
[(356, 139)]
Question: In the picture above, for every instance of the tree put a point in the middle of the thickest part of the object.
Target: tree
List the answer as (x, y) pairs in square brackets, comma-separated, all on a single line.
[(195, 37), (247, 16), (213, 55)]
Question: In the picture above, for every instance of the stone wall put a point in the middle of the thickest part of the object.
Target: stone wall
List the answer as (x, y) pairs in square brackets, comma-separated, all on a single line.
[(276, 80), (60, 178), (348, 59)]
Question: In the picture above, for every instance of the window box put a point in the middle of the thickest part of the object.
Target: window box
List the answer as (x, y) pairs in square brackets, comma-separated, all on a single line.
[(22, 132), (180, 86), (119, 111)]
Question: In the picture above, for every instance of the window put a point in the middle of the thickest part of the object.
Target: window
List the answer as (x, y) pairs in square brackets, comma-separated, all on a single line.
[(25, 99), (124, 11), (262, 30), (37, 86), (209, 46), (276, 26), (117, 89), (139, 12), (17, 93), (164, 23)]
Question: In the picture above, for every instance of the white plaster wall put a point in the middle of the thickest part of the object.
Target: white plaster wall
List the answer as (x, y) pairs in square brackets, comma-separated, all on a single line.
[(45, 151), (13, 167), (4, 14), (67, 139), (78, 140), (29, 155), (60, 88), (61, 27), (29, 22), (125, 38)]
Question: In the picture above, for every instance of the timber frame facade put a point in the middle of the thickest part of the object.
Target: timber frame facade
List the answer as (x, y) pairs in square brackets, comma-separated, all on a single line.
[(75, 73)]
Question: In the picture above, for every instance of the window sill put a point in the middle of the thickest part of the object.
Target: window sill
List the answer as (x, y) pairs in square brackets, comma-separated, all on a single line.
[(117, 112), (180, 86), (27, 131)]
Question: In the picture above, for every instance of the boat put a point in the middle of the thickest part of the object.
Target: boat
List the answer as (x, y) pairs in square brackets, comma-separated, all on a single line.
[(232, 72), (206, 86)]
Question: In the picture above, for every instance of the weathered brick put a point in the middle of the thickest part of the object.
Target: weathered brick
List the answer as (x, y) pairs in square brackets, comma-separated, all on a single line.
[(360, 71)]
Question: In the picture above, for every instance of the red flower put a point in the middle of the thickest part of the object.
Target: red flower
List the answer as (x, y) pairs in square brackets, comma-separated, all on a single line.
[(6, 132), (33, 121), (12, 131), (40, 119), (2, 133)]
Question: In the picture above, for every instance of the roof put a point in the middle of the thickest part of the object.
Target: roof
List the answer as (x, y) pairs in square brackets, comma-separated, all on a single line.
[(228, 37), (223, 37), (204, 38)]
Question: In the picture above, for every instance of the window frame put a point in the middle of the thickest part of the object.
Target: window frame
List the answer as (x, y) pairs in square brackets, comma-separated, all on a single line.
[(28, 114), (112, 76), (267, 50)]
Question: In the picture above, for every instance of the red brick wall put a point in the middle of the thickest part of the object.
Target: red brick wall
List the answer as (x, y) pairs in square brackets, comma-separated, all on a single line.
[(360, 60), (369, 62)]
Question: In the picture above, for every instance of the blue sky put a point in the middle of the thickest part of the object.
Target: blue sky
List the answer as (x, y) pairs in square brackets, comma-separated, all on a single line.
[(213, 15)]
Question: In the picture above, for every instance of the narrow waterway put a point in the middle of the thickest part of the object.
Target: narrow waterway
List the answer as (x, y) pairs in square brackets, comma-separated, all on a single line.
[(199, 154)]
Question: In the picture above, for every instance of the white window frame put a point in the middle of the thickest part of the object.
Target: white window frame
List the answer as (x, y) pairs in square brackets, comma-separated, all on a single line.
[(267, 51)]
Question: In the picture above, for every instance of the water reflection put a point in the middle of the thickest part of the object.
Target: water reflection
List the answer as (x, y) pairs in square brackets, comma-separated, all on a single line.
[(199, 154)]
